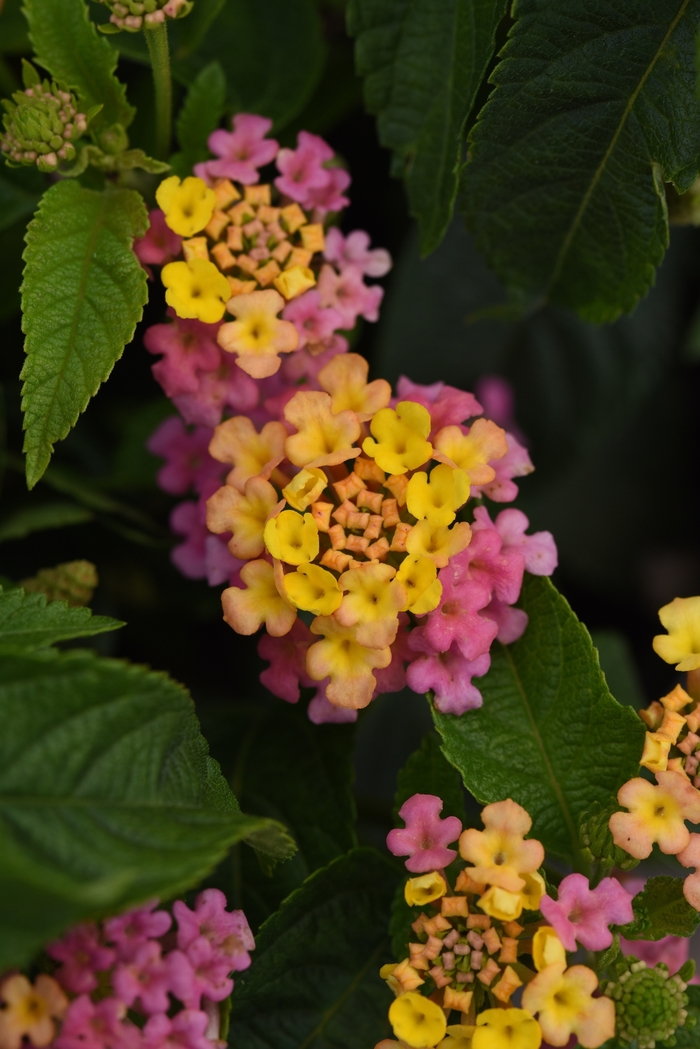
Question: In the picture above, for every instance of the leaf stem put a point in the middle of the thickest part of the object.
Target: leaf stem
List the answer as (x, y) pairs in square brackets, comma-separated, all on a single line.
[(159, 52)]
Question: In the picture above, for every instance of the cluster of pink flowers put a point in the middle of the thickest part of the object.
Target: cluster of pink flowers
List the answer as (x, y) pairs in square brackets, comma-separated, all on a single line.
[(173, 980), (441, 651)]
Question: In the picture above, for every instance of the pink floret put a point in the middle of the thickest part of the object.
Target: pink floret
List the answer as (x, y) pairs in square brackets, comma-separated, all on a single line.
[(199, 971), (313, 322), (130, 931), (188, 463), (585, 914), (82, 955), (355, 250), (425, 836), (101, 1025), (240, 151), (331, 195), (159, 244), (515, 463), (539, 550), (186, 1030), (146, 979), (457, 619), (227, 931), (287, 658), (301, 169), (447, 674), (347, 293)]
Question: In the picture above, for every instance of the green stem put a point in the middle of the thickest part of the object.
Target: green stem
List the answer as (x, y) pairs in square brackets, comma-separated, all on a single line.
[(157, 40)]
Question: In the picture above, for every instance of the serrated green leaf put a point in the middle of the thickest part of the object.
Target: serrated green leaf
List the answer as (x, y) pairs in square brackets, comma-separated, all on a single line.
[(662, 910), (595, 105), (428, 772), (315, 981), (423, 65), (27, 622), (200, 115), (68, 45), (549, 734), (608, 957), (39, 518), (83, 294), (107, 794)]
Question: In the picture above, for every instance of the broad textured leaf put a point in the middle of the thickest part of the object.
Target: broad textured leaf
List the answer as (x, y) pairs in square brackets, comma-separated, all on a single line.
[(423, 65), (549, 734), (200, 114), (315, 981), (38, 518), (68, 45), (282, 766), (427, 772), (595, 106), (661, 910), (107, 794), (27, 622), (83, 294)]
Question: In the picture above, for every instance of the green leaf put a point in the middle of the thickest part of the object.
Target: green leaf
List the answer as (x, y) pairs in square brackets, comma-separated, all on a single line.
[(67, 43), (200, 115), (427, 772), (39, 518), (282, 766), (424, 64), (549, 734), (595, 105), (315, 980), (107, 794), (661, 910), (27, 622), (597, 845), (13, 29), (82, 296)]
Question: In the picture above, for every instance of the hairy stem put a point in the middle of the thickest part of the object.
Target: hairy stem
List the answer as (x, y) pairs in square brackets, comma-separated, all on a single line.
[(157, 40)]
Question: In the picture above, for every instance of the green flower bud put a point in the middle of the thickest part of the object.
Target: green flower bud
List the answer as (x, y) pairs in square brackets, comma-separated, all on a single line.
[(649, 1004), (134, 15), (41, 124)]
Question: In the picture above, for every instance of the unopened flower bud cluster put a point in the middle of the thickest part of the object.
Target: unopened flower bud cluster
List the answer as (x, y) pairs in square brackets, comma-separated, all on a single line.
[(134, 15), (650, 1004), (41, 125)]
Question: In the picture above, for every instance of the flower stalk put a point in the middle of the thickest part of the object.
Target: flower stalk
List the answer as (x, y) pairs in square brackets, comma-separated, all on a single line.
[(159, 53)]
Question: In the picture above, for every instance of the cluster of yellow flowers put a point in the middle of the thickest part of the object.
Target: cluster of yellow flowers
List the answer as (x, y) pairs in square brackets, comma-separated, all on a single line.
[(357, 535), (657, 812), (243, 255), (470, 947)]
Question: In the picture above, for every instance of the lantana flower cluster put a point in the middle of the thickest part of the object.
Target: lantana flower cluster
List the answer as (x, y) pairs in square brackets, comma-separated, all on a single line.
[(487, 928), (337, 526), (133, 981), (657, 812)]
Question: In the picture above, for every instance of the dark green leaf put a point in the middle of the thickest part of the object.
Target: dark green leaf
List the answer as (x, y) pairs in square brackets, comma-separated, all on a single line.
[(595, 106), (67, 44), (282, 766), (27, 622), (315, 980), (661, 910), (200, 114), (423, 65), (609, 956), (549, 734), (14, 37), (38, 518), (82, 296), (107, 793), (597, 845), (427, 772)]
